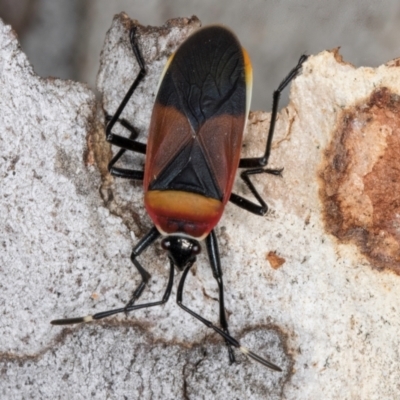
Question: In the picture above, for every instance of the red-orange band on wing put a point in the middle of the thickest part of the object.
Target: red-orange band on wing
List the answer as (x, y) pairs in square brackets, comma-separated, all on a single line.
[(183, 212)]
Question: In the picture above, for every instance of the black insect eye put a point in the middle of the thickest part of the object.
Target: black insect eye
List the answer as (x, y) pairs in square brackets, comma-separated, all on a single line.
[(196, 249), (166, 244)]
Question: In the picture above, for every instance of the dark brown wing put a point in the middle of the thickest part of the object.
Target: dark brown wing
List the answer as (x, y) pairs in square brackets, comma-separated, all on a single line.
[(199, 116)]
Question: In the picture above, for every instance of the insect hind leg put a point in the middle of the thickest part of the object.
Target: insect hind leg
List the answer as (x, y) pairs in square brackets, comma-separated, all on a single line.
[(255, 165), (118, 140), (263, 160)]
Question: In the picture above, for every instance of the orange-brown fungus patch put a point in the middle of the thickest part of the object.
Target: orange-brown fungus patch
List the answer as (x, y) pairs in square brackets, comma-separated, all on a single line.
[(274, 260), (361, 179)]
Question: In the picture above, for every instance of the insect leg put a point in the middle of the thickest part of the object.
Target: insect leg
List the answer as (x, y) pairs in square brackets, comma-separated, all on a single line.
[(108, 313), (213, 254), (126, 124), (261, 208), (120, 141), (131, 307), (255, 164), (232, 341), (145, 242), (123, 172), (263, 161)]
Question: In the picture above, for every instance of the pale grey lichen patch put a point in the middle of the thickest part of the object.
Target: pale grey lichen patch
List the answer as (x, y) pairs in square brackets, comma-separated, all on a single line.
[(45, 226), (117, 361)]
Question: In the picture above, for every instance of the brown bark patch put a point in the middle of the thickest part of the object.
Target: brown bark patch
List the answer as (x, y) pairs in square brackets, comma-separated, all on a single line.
[(361, 179)]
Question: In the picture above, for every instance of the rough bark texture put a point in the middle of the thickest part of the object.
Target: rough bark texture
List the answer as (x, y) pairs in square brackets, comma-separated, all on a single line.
[(310, 286)]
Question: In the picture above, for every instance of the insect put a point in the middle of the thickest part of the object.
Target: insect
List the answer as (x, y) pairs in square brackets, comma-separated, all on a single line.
[(192, 155)]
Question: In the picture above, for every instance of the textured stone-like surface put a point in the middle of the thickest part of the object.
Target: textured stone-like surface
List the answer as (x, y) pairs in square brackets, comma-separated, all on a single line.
[(327, 315), (44, 224)]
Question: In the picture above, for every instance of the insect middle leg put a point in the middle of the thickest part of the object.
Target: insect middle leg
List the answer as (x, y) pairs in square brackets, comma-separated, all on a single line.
[(255, 165)]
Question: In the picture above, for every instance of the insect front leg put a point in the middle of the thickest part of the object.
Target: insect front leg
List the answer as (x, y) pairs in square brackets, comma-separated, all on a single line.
[(213, 254), (228, 338), (143, 244)]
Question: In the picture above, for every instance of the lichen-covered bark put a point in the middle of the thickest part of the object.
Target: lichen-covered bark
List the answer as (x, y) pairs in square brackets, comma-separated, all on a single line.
[(300, 289)]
